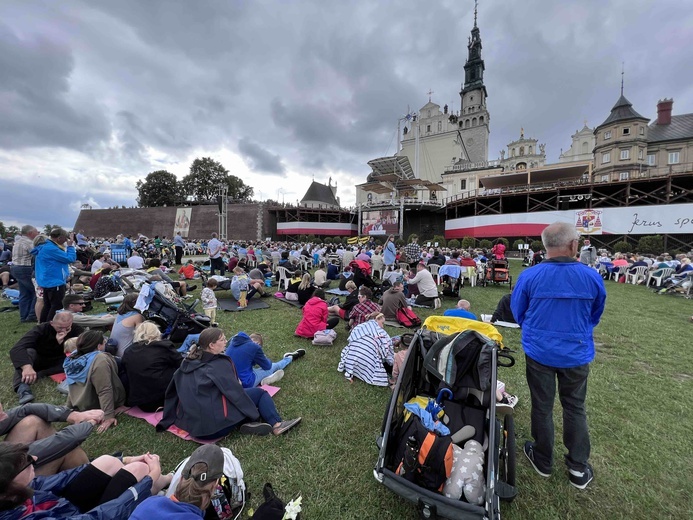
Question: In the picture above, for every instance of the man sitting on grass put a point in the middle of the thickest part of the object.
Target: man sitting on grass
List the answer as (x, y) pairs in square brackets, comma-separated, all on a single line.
[(40, 353)]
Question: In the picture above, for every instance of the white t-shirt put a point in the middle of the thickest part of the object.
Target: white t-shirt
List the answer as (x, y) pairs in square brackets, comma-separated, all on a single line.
[(135, 262), (96, 265)]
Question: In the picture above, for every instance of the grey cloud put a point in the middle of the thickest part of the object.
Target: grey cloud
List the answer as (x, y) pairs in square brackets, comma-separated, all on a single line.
[(35, 96), (259, 159)]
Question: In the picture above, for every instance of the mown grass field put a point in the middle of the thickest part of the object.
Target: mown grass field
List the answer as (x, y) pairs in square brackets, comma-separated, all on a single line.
[(640, 419)]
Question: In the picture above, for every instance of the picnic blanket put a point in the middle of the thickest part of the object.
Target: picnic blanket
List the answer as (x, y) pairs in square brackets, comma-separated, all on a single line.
[(153, 418), (394, 324), (230, 305), (338, 292), (290, 302)]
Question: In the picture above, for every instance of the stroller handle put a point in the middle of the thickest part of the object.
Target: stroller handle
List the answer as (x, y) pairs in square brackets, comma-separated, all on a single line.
[(505, 359)]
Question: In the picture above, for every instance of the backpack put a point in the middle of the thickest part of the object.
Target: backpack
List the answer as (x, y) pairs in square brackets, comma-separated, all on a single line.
[(324, 337), (407, 317), (228, 499), (425, 457)]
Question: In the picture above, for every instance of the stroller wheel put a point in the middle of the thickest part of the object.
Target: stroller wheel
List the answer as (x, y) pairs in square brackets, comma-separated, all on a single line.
[(506, 459)]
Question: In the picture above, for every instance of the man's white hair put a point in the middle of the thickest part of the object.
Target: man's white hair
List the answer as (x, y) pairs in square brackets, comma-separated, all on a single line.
[(559, 234)]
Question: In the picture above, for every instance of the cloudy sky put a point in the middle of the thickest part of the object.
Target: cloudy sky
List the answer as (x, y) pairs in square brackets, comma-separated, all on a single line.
[(96, 94)]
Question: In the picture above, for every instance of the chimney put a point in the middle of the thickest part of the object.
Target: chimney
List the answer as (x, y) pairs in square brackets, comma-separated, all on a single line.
[(664, 111)]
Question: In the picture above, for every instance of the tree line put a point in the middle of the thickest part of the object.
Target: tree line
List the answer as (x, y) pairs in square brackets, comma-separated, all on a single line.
[(201, 185)]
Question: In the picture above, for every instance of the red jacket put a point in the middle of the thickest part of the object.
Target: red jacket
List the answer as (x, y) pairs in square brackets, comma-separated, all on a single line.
[(314, 318)]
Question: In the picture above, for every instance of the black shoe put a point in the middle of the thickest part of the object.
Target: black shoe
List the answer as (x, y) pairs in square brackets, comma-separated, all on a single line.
[(580, 479), (296, 354), (529, 453), (24, 394), (192, 287)]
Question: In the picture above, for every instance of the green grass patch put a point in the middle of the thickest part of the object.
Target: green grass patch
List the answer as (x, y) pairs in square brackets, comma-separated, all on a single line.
[(639, 420)]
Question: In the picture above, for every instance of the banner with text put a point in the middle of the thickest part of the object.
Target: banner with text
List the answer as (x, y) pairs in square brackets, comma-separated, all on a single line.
[(634, 220)]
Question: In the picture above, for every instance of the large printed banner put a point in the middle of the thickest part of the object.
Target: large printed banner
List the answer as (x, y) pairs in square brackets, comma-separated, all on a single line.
[(634, 220), (316, 228), (380, 222), (182, 223)]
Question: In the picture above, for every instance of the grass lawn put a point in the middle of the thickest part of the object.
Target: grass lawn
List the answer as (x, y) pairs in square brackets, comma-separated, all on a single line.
[(639, 420)]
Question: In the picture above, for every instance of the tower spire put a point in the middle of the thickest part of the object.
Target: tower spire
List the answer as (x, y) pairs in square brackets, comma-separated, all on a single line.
[(476, 5), (622, 71)]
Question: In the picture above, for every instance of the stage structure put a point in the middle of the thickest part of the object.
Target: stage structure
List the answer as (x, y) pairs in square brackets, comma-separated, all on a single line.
[(223, 203)]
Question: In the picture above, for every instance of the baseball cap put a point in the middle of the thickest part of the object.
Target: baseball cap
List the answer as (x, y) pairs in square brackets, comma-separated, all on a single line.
[(212, 457)]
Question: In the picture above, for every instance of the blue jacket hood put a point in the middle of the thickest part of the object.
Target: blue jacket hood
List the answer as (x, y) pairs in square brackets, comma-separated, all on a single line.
[(239, 340)]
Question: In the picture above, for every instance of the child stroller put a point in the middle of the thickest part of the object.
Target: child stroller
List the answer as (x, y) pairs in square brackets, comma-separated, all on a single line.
[(175, 319), (497, 271), (461, 370)]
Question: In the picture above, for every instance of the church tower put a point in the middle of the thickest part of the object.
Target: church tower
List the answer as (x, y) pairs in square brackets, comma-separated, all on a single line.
[(474, 118)]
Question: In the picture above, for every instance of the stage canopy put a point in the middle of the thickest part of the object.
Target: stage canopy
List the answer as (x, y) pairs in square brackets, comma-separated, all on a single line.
[(537, 176)]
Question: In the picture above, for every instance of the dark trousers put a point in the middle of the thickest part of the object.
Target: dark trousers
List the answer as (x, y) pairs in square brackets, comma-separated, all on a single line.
[(217, 263), (572, 390), (52, 302), (43, 366), (332, 322), (27, 294), (179, 254), (425, 300)]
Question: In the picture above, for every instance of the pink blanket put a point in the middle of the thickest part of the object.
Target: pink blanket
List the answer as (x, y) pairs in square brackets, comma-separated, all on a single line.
[(153, 418)]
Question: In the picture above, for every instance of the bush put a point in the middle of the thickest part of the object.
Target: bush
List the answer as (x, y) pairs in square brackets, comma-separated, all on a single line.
[(653, 244), (517, 243), (311, 238), (505, 241), (399, 242), (303, 238), (485, 244), (622, 246), (328, 240), (378, 242), (453, 243), (468, 242), (536, 245), (440, 239)]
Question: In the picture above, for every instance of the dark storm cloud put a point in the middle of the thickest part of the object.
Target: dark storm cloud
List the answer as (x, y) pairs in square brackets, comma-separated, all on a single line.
[(35, 106), (260, 160)]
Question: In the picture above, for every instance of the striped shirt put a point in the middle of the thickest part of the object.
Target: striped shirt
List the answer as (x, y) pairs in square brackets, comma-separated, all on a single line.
[(367, 348), (21, 252)]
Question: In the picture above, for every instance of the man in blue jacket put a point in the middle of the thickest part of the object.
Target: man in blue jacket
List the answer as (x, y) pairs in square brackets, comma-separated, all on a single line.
[(558, 303), (52, 260)]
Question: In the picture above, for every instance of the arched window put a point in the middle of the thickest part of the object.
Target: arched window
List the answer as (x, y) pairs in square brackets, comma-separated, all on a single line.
[(481, 120), (521, 166), (474, 121), (584, 148), (530, 151), (513, 152), (522, 150), (466, 123)]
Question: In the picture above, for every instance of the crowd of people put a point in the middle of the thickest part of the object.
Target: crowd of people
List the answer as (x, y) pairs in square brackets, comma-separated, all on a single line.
[(212, 385)]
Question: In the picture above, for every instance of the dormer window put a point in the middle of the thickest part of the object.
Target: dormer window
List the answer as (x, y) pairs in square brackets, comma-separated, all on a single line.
[(607, 135)]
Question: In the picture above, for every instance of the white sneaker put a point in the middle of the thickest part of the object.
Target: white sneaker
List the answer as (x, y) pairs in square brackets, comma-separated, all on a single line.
[(272, 378), (436, 303)]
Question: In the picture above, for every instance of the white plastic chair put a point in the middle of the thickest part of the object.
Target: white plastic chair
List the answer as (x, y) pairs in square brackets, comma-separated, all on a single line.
[(377, 266), (638, 274), (284, 277), (664, 273), (434, 268), (617, 274), (471, 275)]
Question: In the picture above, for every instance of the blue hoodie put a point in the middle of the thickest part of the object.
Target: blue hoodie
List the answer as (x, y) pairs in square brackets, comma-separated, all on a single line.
[(52, 264), (245, 353), (164, 507)]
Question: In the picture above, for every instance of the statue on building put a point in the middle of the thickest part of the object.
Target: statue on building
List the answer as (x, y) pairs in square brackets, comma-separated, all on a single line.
[(502, 154), (542, 148)]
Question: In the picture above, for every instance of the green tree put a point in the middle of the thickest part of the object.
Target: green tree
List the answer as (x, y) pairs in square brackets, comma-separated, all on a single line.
[(412, 237), (47, 228), (207, 176), (159, 188), (536, 245), (622, 246), (453, 243), (12, 231), (328, 240), (399, 242), (468, 242), (485, 244), (505, 241), (517, 243), (653, 244), (3, 230)]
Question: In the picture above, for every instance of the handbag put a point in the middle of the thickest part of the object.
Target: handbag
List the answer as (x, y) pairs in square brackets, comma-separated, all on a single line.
[(324, 337)]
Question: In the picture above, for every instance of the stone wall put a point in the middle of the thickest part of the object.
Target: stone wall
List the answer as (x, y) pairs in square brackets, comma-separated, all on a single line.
[(241, 221)]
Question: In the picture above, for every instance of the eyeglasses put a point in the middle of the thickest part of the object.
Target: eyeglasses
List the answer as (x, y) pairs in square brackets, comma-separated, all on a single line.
[(30, 461)]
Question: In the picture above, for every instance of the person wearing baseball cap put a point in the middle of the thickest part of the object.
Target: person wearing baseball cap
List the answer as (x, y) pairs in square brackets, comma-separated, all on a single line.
[(194, 490)]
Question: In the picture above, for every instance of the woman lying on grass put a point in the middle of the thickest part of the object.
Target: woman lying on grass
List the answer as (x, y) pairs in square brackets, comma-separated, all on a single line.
[(206, 399)]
